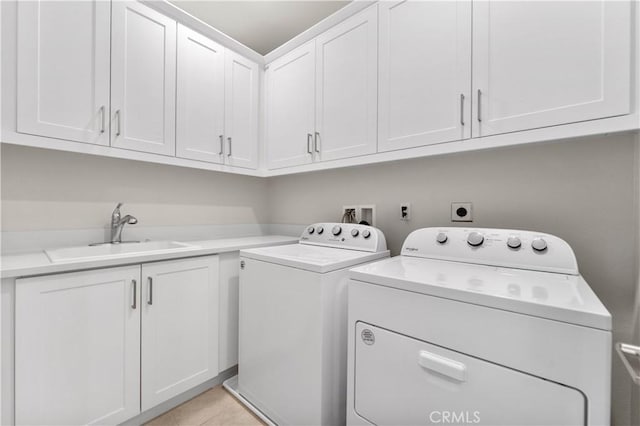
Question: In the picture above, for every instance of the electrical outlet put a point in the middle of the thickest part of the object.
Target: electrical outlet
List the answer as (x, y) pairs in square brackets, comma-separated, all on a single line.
[(461, 212), (405, 212)]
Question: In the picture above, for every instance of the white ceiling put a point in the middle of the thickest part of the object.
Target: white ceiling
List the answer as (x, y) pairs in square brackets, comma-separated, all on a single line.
[(261, 25)]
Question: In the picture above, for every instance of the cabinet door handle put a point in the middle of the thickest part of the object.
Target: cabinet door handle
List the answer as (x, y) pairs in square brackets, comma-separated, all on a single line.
[(221, 145), (316, 146), (150, 299), (118, 122), (102, 119), (462, 109), (479, 105), (230, 142), (309, 149), (135, 294)]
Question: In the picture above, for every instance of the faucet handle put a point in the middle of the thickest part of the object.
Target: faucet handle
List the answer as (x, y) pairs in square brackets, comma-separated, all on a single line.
[(117, 209)]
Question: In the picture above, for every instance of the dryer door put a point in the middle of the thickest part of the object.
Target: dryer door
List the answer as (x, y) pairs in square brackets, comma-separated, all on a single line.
[(400, 380)]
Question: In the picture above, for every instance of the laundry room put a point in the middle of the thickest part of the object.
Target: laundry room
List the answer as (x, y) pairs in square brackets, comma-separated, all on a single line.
[(279, 212)]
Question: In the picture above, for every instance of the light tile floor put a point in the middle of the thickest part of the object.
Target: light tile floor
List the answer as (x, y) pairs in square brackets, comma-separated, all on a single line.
[(215, 407)]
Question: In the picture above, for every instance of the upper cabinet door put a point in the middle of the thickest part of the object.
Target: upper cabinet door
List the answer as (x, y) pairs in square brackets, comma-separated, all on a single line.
[(200, 97), (543, 63), (241, 118), (143, 79), (291, 108), (77, 354), (179, 327), (346, 88), (425, 73), (63, 70)]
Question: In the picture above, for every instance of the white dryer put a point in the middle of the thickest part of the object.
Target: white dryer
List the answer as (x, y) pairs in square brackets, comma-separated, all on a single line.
[(477, 326), (293, 323)]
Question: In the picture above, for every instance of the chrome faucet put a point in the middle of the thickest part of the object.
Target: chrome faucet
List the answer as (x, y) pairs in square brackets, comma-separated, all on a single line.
[(118, 223)]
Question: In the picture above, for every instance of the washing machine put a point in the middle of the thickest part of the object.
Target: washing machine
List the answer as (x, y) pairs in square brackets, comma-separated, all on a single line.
[(477, 326), (293, 323)]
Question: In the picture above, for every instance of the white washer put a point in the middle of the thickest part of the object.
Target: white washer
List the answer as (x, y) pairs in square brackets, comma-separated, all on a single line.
[(293, 323), (477, 326)]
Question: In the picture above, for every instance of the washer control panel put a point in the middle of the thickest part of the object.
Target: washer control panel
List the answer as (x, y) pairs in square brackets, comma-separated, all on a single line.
[(496, 247), (345, 235)]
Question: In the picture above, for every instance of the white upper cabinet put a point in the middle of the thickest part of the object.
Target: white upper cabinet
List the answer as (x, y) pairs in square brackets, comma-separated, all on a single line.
[(425, 73), (63, 70), (290, 112), (143, 78), (77, 353), (241, 112), (200, 97), (544, 63), (346, 88), (179, 327)]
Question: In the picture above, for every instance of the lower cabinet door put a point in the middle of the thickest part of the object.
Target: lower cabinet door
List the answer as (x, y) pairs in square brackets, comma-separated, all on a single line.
[(77, 353), (404, 381), (179, 327)]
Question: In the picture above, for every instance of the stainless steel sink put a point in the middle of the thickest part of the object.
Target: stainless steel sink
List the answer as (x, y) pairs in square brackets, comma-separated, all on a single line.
[(111, 251)]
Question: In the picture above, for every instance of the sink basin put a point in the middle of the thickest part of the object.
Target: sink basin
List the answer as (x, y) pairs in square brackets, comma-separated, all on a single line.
[(113, 251)]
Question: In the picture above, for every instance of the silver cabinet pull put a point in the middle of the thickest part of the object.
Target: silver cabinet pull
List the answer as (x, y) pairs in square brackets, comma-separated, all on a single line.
[(118, 122), (316, 146), (135, 294), (102, 119), (462, 109), (221, 145), (309, 149), (229, 140), (479, 105), (150, 298)]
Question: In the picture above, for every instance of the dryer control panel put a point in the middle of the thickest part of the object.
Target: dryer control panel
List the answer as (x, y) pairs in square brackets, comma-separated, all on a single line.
[(496, 247), (345, 235)]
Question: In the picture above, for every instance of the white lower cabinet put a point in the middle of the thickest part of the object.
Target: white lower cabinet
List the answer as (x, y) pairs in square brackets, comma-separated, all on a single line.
[(78, 348), (101, 346), (179, 327), (229, 307)]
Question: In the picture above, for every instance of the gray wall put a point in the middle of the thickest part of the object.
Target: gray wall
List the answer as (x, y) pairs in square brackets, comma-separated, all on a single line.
[(583, 191), (44, 189)]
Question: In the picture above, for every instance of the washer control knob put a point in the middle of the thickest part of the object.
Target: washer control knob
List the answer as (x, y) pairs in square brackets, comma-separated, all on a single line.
[(336, 230), (441, 237), (539, 244), (514, 243), (355, 232), (319, 230), (366, 233), (475, 239), (310, 230)]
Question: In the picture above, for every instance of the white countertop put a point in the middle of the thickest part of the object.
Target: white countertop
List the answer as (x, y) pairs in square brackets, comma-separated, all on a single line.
[(38, 263)]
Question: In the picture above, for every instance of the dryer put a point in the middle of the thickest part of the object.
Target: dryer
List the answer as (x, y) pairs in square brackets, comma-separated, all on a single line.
[(293, 323), (477, 326)]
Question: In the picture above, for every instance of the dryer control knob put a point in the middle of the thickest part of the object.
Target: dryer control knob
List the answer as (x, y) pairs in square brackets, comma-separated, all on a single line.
[(475, 239), (539, 244), (514, 243), (441, 237), (366, 233), (319, 230), (336, 230), (310, 230), (355, 232)]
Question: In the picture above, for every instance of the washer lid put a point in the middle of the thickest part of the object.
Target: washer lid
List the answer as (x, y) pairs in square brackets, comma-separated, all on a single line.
[(312, 258), (560, 297)]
